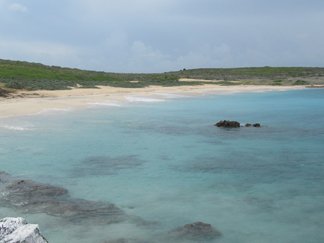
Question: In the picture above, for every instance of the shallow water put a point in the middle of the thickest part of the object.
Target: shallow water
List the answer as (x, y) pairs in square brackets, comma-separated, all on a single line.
[(166, 163)]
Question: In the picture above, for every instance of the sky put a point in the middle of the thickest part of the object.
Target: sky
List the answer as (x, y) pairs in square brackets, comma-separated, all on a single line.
[(163, 35)]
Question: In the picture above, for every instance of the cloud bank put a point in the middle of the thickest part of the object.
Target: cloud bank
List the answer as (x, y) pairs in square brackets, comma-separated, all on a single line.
[(163, 35)]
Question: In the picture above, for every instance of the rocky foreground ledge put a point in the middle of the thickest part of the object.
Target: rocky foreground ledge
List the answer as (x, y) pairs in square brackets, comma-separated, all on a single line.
[(33, 197), (17, 230)]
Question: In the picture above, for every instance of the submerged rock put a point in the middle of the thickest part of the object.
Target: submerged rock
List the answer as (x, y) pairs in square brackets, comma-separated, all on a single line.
[(195, 231), (122, 240), (27, 192), (228, 124), (17, 230), (105, 165), (4, 177), (33, 197), (248, 125)]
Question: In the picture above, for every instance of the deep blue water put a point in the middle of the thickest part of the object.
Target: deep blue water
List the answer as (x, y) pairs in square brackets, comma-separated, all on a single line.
[(166, 163)]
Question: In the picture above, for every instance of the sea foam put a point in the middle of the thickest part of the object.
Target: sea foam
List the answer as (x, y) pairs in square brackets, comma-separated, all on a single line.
[(171, 96), (105, 104), (142, 99), (50, 110), (16, 128)]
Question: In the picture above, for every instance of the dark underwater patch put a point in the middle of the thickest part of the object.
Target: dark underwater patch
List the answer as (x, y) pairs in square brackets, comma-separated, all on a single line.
[(105, 165), (33, 197)]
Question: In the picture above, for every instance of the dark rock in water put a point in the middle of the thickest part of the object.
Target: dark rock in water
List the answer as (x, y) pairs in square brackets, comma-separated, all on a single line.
[(234, 124), (34, 197), (195, 231), (29, 195), (228, 124), (28, 191), (4, 177), (18, 230), (78, 210)]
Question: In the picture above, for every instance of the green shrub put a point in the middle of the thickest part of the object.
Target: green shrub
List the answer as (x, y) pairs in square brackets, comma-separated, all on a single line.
[(301, 82), (32, 76), (14, 84)]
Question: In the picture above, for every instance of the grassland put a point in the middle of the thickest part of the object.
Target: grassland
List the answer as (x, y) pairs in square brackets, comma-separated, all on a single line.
[(15, 75)]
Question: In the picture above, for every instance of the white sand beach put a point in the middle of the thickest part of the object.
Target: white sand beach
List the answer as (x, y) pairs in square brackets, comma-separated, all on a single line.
[(34, 102)]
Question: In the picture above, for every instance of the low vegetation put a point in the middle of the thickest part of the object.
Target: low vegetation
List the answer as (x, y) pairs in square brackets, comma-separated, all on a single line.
[(32, 76), (4, 92)]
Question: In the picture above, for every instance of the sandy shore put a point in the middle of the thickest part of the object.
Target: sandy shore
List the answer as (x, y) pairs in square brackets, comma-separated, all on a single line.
[(35, 102)]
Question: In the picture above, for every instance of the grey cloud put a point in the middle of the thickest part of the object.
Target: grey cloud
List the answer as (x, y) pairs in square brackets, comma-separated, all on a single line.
[(47, 52), (162, 35)]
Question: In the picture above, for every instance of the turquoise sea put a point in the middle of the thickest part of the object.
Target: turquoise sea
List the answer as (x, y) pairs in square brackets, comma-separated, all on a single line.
[(164, 163)]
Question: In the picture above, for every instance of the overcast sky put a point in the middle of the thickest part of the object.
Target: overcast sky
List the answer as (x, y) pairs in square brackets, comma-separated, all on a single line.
[(163, 35)]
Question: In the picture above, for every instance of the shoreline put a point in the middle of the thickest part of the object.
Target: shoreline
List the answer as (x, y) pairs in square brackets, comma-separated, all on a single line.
[(36, 102)]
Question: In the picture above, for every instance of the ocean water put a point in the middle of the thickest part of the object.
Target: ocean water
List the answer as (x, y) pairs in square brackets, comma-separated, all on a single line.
[(163, 161)]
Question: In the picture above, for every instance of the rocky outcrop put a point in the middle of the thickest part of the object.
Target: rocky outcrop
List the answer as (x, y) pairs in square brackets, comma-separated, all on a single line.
[(17, 230), (235, 124), (34, 197), (228, 124), (197, 231)]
